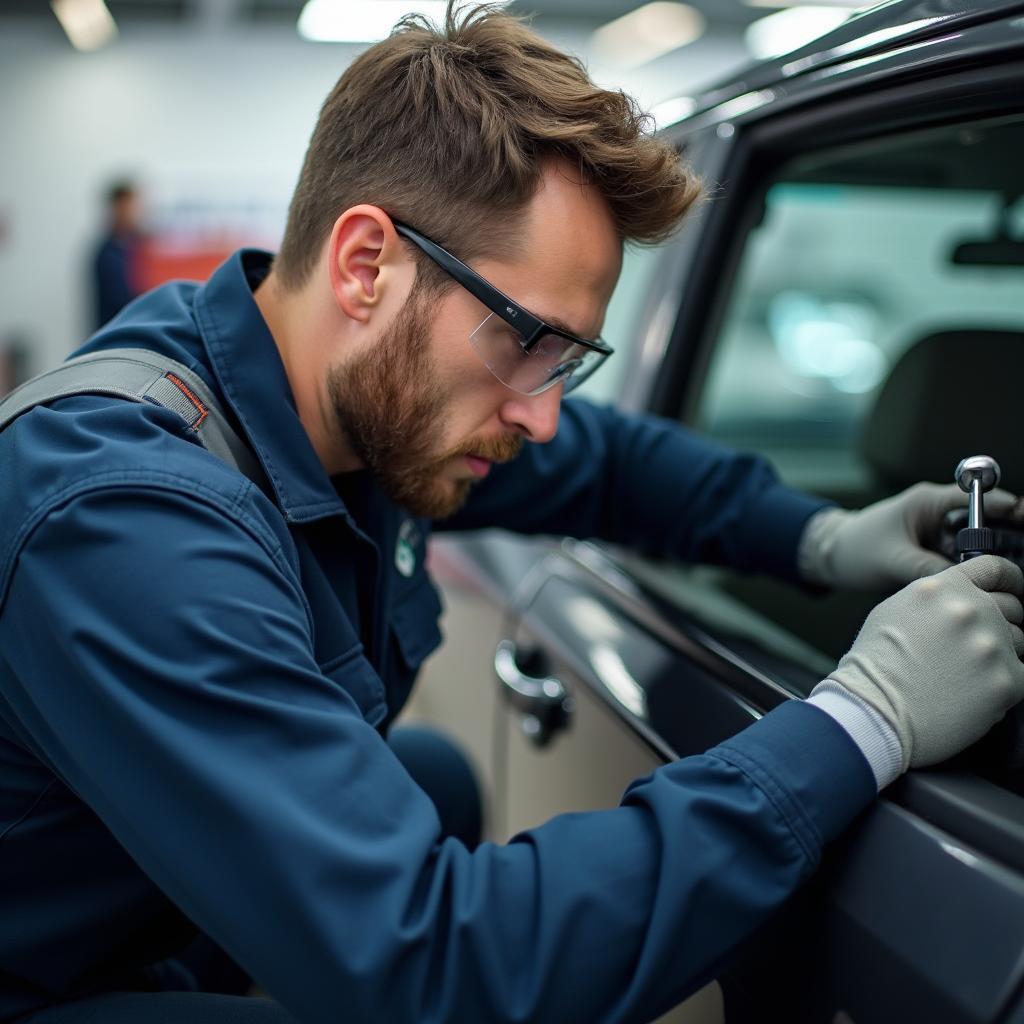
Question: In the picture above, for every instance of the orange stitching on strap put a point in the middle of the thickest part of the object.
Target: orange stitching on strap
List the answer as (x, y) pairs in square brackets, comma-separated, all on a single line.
[(184, 389)]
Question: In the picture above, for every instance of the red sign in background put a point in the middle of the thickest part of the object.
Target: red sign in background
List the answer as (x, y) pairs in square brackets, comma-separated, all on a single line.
[(157, 262)]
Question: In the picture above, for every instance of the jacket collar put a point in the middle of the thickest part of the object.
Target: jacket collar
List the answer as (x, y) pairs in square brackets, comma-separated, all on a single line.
[(252, 378)]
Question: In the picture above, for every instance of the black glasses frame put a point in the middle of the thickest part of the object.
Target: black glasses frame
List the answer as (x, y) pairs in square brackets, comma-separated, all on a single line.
[(531, 327)]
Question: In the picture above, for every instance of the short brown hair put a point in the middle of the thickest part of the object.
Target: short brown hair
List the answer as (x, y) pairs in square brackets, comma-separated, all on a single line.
[(448, 129)]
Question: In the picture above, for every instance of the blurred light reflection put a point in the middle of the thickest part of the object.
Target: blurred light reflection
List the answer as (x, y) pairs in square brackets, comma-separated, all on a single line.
[(87, 23), (647, 33), (831, 339), (786, 31), (615, 676), (668, 112), (363, 21)]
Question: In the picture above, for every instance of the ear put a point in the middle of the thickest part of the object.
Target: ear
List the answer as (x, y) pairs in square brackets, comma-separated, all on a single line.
[(364, 253)]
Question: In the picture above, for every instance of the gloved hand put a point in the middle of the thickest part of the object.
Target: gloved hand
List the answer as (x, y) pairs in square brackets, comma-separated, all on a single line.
[(940, 660), (880, 547)]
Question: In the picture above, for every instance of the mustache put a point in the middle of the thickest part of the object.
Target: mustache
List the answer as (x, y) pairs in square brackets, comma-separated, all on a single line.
[(495, 449)]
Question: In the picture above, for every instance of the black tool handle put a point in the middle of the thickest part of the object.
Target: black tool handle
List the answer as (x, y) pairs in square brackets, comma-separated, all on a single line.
[(973, 542)]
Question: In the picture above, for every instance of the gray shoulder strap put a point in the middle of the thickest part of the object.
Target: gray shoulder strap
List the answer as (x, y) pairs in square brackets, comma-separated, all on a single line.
[(140, 375)]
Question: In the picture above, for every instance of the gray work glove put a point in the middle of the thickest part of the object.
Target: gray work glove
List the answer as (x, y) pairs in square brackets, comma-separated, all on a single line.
[(880, 547), (940, 660)]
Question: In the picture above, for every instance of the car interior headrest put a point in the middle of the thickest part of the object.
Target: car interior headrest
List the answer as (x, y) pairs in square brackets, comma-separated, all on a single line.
[(952, 394)]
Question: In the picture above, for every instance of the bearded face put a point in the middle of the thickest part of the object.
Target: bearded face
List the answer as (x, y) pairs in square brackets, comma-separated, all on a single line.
[(391, 404)]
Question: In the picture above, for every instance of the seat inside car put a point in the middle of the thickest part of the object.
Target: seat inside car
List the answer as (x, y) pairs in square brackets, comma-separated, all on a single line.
[(952, 394)]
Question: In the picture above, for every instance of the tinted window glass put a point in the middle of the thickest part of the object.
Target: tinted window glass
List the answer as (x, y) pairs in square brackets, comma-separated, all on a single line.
[(841, 278)]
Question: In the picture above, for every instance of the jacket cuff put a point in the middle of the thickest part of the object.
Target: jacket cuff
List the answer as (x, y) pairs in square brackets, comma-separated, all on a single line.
[(808, 764)]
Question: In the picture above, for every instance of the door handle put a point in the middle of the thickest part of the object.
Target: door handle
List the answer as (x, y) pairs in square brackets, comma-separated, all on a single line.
[(543, 700)]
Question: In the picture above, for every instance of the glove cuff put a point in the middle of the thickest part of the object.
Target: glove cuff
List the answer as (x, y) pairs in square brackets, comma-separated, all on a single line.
[(867, 727), (813, 556)]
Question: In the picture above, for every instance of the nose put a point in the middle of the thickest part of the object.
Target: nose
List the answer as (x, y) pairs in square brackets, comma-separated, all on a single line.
[(534, 416)]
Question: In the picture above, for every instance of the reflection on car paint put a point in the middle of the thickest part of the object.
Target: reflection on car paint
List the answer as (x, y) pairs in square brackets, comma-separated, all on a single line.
[(608, 664)]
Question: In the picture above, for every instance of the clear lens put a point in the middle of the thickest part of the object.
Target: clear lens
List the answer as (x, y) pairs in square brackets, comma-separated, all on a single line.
[(551, 360)]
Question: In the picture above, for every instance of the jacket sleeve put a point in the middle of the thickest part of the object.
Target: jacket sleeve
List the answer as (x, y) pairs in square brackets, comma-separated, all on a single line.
[(163, 669), (649, 484)]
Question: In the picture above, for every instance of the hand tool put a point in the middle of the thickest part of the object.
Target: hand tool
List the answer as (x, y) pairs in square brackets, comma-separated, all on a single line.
[(976, 475)]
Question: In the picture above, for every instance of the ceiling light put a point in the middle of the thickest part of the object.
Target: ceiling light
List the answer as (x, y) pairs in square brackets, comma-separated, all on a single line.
[(788, 30), (361, 21), (853, 5), (646, 33), (87, 23)]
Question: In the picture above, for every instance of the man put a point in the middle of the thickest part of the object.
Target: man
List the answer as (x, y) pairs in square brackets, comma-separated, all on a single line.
[(198, 670), (114, 263)]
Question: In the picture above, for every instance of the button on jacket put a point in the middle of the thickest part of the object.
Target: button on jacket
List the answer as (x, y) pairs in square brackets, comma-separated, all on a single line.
[(195, 674)]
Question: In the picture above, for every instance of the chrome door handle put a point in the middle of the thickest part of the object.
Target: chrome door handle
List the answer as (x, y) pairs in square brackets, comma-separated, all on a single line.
[(543, 700)]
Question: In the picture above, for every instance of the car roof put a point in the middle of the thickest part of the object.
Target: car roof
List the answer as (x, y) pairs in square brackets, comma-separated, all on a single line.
[(888, 26)]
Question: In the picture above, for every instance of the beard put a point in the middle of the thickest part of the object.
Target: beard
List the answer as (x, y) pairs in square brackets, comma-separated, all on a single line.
[(391, 405)]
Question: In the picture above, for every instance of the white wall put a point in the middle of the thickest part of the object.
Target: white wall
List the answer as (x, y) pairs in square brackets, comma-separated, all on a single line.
[(194, 112)]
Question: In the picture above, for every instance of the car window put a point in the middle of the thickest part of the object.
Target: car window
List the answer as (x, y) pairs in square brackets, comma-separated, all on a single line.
[(836, 283)]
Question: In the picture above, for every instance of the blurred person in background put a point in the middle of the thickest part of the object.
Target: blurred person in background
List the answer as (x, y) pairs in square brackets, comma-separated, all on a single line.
[(200, 668), (115, 260)]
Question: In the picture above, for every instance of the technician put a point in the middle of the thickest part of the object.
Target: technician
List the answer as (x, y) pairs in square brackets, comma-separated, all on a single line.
[(197, 671), (115, 263)]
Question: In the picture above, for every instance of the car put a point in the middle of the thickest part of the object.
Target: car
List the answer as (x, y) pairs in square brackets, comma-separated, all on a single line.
[(848, 301)]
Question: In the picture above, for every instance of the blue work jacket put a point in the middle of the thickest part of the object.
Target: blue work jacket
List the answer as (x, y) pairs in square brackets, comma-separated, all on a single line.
[(194, 678)]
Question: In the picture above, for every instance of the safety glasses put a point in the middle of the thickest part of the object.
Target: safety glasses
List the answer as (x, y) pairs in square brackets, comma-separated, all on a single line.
[(524, 352)]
